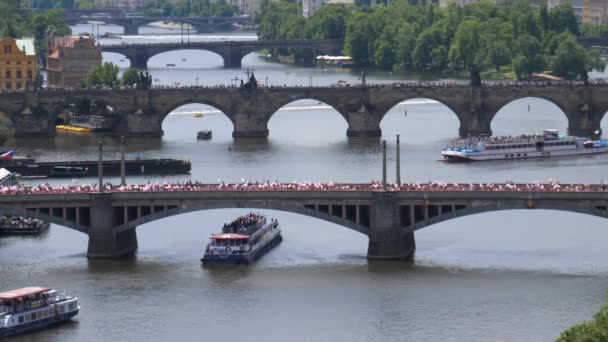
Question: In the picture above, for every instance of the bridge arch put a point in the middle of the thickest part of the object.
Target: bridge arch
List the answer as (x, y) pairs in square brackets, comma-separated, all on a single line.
[(184, 119), (198, 58), (601, 211), (409, 116), (302, 112), (535, 113), (8, 211), (272, 205)]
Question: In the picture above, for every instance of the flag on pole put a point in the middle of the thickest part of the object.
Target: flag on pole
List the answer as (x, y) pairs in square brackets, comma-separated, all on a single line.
[(8, 155)]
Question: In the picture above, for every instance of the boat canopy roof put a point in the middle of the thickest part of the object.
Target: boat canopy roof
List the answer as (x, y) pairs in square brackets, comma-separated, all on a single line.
[(229, 237), (22, 292)]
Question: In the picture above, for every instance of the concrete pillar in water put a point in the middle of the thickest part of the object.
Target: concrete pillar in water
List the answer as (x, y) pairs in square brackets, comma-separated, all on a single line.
[(387, 240), (104, 241)]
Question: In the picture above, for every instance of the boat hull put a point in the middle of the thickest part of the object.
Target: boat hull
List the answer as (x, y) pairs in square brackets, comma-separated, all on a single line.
[(24, 231), (37, 325), (452, 156), (242, 259)]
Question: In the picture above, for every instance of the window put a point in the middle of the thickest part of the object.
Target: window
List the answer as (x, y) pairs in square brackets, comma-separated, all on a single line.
[(519, 155), (21, 319), (7, 74), (8, 85), (18, 74), (19, 85), (29, 74), (18, 63), (33, 316), (29, 62)]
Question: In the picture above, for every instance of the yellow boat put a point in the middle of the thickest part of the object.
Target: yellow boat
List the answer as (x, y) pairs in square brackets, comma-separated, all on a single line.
[(198, 115), (73, 128)]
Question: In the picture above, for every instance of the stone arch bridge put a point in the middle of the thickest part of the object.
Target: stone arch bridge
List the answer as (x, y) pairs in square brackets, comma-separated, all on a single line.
[(131, 25), (141, 112), (388, 218), (232, 52)]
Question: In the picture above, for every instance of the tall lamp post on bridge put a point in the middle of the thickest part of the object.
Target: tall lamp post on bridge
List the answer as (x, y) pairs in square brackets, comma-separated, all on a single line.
[(100, 166), (384, 164), (398, 161), (123, 172)]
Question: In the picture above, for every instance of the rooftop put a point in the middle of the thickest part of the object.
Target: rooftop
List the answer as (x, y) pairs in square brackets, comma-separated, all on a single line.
[(22, 292)]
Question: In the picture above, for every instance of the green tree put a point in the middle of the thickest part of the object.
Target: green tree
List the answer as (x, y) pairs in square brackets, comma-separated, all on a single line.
[(595, 330), (466, 50), (529, 58), (105, 74), (130, 77), (572, 60), (562, 18)]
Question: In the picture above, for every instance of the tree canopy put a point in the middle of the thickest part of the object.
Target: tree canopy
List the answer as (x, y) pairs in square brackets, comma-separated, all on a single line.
[(105, 74), (422, 37)]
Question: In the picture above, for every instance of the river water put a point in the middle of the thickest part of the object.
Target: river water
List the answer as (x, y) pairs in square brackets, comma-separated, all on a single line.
[(507, 276)]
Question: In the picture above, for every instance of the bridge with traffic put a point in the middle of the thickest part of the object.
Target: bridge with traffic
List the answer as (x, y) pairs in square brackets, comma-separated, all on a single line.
[(387, 216), (232, 52), (140, 112)]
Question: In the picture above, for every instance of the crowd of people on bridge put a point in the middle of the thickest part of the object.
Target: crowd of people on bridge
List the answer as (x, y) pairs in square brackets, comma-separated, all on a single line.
[(412, 84), (268, 186)]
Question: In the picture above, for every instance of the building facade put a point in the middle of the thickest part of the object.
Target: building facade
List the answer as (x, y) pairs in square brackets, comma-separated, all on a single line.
[(310, 7), (70, 61), (595, 12), (17, 63), (127, 4)]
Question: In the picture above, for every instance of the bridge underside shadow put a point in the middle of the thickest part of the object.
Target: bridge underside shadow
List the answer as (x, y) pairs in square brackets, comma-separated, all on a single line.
[(418, 216)]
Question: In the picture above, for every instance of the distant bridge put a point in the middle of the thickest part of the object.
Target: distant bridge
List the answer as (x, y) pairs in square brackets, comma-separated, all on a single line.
[(231, 51), (141, 112), (131, 24), (387, 218)]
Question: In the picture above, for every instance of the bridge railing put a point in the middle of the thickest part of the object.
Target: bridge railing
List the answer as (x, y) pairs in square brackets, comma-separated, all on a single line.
[(429, 187)]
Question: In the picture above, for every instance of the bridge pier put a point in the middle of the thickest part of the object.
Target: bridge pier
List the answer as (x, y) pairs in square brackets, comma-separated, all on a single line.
[(250, 126), (387, 241), (131, 29), (139, 61), (474, 124), (104, 241), (362, 123), (585, 125), (232, 58)]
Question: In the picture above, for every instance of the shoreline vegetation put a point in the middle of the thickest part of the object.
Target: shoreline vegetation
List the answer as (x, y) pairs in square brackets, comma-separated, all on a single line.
[(595, 330), (514, 40)]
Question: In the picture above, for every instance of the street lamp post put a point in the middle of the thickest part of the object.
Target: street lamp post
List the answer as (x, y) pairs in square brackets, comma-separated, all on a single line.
[(100, 166), (123, 168), (384, 164), (398, 160)]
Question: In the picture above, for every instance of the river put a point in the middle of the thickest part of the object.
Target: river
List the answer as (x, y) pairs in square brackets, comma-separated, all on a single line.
[(506, 276)]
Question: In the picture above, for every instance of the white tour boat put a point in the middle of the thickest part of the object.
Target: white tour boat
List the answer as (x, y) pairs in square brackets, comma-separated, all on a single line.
[(32, 308), (548, 144), (243, 241)]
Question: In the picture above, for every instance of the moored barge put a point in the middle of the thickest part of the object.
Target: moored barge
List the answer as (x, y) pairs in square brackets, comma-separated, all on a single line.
[(243, 241), (29, 167)]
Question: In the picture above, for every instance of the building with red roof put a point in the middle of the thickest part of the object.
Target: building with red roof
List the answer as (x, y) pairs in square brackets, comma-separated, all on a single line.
[(70, 61)]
